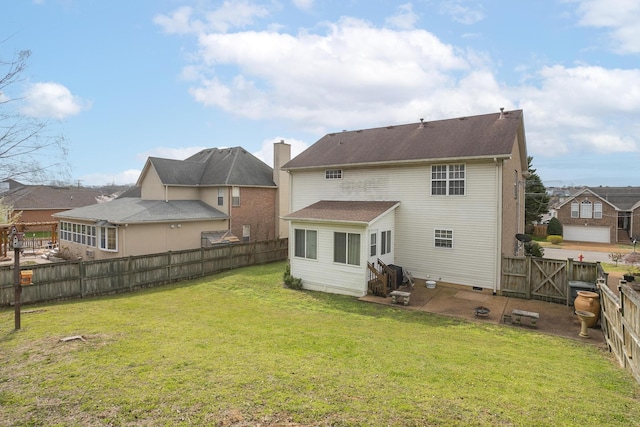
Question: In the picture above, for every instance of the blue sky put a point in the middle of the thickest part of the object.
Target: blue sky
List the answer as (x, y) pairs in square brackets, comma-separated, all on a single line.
[(125, 80)]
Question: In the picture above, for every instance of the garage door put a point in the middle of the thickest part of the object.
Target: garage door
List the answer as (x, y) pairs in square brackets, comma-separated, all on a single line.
[(586, 234)]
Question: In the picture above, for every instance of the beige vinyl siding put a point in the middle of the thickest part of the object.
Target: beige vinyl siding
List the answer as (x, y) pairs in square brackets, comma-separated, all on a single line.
[(142, 239), (183, 193), (322, 274), (151, 187), (385, 223), (472, 217)]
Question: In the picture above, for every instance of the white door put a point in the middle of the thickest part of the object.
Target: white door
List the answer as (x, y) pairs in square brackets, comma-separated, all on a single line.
[(579, 233)]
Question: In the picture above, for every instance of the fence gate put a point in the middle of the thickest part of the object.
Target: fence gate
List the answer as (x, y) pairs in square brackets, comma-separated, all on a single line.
[(537, 278), (548, 279)]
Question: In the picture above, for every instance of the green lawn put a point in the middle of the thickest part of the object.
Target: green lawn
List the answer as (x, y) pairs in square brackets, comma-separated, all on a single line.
[(238, 349)]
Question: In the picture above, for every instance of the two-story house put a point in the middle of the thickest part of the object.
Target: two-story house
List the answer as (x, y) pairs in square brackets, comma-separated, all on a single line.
[(442, 199), (601, 214), (219, 195)]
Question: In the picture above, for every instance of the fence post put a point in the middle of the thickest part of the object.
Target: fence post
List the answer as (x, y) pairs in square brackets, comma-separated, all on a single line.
[(129, 272), (527, 277), (81, 271), (569, 269)]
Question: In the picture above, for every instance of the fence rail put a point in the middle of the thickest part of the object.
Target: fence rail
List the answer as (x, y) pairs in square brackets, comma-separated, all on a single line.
[(79, 279), (621, 325), (544, 278)]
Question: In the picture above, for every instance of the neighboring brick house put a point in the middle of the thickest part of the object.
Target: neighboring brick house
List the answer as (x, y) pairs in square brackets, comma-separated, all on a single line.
[(601, 214), (442, 199), (38, 203), (219, 195)]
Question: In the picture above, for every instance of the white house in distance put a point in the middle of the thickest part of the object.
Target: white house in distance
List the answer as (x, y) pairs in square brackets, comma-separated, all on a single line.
[(442, 199)]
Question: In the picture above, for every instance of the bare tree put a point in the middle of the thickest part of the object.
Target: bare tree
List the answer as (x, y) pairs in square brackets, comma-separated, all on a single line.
[(28, 150)]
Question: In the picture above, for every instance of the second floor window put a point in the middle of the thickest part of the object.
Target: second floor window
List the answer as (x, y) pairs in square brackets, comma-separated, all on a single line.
[(586, 209), (235, 196), (220, 196), (333, 174), (448, 180), (597, 210), (575, 212)]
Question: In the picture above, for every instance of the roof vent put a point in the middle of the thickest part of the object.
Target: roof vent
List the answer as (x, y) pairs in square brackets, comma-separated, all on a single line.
[(501, 113), (421, 122)]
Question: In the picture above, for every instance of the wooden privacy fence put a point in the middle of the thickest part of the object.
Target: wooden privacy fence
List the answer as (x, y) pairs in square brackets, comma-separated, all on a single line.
[(544, 279), (620, 320), (78, 279)]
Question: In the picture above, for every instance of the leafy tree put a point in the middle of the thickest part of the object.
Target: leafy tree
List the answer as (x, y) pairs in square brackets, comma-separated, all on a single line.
[(554, 228), (536, 199), (27, 149)]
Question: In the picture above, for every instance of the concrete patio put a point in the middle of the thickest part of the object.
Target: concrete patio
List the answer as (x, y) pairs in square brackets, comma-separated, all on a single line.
[(460, 301)]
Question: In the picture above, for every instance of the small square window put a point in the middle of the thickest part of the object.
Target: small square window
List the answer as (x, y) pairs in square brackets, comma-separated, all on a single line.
[(333, 174), (443, 238)]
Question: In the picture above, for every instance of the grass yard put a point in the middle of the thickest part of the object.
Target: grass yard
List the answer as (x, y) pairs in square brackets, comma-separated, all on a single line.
[(238, 349)]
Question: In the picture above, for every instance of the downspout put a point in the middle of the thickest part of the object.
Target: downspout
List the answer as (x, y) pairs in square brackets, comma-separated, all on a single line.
[(166, 193), (499, 207), (229, 206)]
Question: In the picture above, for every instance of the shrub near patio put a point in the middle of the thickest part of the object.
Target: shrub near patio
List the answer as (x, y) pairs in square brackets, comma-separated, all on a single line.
[(240, 348)]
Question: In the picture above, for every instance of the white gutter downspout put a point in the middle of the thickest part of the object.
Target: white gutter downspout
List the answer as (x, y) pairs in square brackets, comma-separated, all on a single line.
[(166, 193), (498, 261)]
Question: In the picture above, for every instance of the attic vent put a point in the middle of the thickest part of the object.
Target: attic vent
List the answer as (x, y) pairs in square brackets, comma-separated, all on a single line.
[(501, 112), (389, 127), (421, 122)]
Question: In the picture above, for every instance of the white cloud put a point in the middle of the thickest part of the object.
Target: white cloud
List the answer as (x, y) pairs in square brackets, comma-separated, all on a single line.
[(126, 177), (266, 149), (351, 74), (169, 153), (461, 12), (348, 74), (52, 100), (582, 109), (231, 14), (303, 4), (620, 17), (405, 19)]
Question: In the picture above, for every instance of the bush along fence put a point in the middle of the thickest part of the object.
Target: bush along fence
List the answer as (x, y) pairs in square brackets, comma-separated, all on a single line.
[(80, 279), (620, 320)]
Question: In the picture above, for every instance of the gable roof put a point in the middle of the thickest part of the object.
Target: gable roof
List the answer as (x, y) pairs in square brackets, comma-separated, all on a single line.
[(39, 197), (129, 210), (214, 167), (483, 136), (621, 198), (343, 211)]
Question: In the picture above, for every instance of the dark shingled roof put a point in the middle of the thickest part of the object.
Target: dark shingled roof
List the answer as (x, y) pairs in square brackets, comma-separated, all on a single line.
[(480, 136), (349, 211), (215, 167), (31, 197), (624, 198)]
